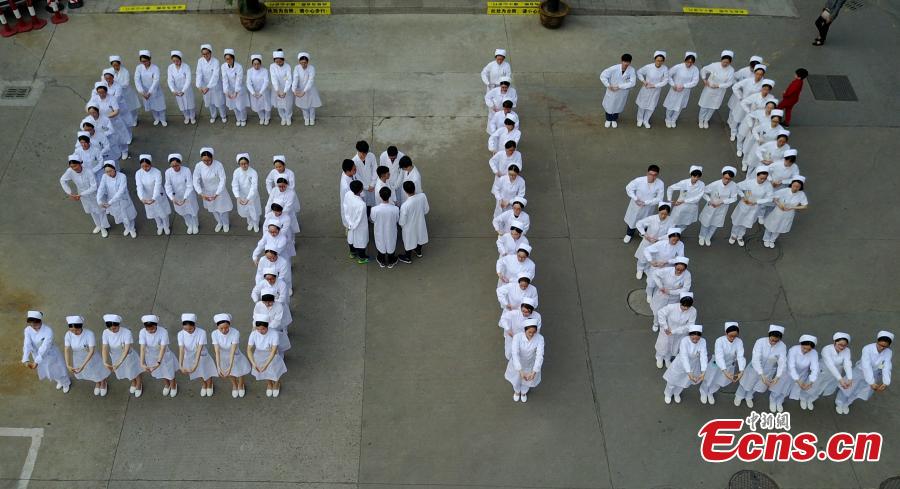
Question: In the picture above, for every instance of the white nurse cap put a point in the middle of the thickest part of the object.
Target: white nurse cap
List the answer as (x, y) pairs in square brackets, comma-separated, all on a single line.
[(222, 317), (790, 152), (280, 158), (228, 51), (695, 168), (778, 112), (808, 337), (150, 318), (659, 53), (112, 318), (686, 294), (34, 315), (206, 46), (144, 52), (278, 54), (525, 247), (732, 169), (773, 328), (207, 148), (761, 67), (74, 320), (756, 58), (174, 156), (115, 57), (885, 334), (695, 328), (840, 336), (528, 301), (727, 53), (176, 53), (145, 156), (499, 52), (189, 317), (238, 157), (261, 318), (530, 322)]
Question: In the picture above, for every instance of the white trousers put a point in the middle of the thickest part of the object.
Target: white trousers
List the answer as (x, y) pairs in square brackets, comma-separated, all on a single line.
[(286, 114), (672, 115), (101, 219), (643, 115), (309, 114), (706, 114)]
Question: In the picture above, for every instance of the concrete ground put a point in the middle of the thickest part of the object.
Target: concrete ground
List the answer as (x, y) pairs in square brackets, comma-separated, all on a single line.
[(396, 376)]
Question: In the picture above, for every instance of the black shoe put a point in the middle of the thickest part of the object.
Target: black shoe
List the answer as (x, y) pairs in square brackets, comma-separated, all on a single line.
[(418, 253), (380, 263), (391, 264), (404, 259)]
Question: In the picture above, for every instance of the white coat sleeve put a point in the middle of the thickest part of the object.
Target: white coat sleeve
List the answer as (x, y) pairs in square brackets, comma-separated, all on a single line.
[(663, 319), (63, 182), (254, 294), (814, 368), (214, 78), (704, 356), (792, 367), (258, 251), (485, 74), (756, 360), (866, 365), (138, 187), (659, 191), (170, 80), (886, 371), (199, 76), (739, 355), (630, 81), (155, 84), (604, 77), (642, 225), (121, 190), (538, 357), (705, 73), (489, 99), (250, 84), (425, 204), (495, 189), (502, 297), (254, 182), (728, 81), (685, 359), (631, 189), (828, 360), (235, 185), (137, 82), (310, 78), (45, 345), (514, 355), (26, 348), (719, 355), (782, 361), (220, 171), (186, 87), (101, 191), (196, 181), (848, 368)]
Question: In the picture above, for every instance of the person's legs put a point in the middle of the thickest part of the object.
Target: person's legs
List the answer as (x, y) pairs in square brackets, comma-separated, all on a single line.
[(630, 231), (822, 27), (738, 231), (787, 115), (312, 116), (419, 251)]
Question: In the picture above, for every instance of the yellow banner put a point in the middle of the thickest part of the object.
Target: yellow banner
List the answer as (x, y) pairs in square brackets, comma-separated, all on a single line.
[(299, 8), (715, 11), (513, 8), (153, 8)]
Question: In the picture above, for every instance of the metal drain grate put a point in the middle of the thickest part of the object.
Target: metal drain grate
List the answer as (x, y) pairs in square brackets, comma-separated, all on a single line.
[(751, 479), (832, 87), (15, 93), (854, 5), (892, 483)]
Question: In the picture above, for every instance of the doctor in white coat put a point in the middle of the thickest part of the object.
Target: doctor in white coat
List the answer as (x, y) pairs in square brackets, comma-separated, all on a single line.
[(644, 193), (682, 78), (209, 81), (209, 183), (147, 82), (493, 71), (112, 196), (618, 80), (718, 196), (412, 222), (178, 78), (148, 182), (245, 187), (353, 215), (653, 77), (84, 189), (180, 189), (233, 86), (689, 367), (306, 95), (39, 353), (717, 78), (385, 217)]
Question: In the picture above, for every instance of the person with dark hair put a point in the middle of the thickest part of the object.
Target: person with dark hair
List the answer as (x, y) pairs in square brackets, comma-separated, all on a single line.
[(348, 174), (245, 187), (209, 81), (262, 352), (644, 193), (763, 125), (507, 132), (366, 165), (118, 354), (516, 212), (147, 84), (803, 369), (83, 188), (512, 321), (509, 243), (653, 76), (98, 148), (353, 214), (178, 79), (749, 106), (272, 239), (669, 283), (122, 78), (278, 316), (40, 354), (108, 106), (385, 216), (506, 188), (741, 90), (510, 267), (674, 321), (782, 171), (233, 86), (685, 208), (740, 75), (872, 373), (274, 263), (718, 196), (836, 371), (659, 256), (85, 364), (689, 367), (651, 229), (767, 368), (383, 179), (273, 282), (90, 154), (682, 78), (306, 95), (286, 197), (526, 359), (770, 152), (791, 95), (618, 80), (502, 160), (408, 173), (148, 183), (728, 363), (493, 71), (259, 90), (754, 193), (180, 189), (824, 20), (512, 294), (495, 98), (787, 202), (412, 221), (391, 159), (230, 360), (495, 120), (113, 198), (193, 356), (210, 185), (717, 77), (281, 78), (155, 357)]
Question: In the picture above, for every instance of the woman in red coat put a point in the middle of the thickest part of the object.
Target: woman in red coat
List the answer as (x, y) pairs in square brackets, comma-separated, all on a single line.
[(791, 95)]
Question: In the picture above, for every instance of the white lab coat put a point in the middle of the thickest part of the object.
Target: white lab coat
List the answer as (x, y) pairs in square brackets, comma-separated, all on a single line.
[(353, 212), (365, 173), (394, 168), (675, 284), (500, 163), (507, 245), (525, 356), (180, 186), (715, 74), (871, 368), (38, 346), (767, 360), (210, 180), (833, 367), (280, 78), (716, 192), (510, 296), (384, 219), (278, 243), (114, 191), (274, 175), (409, 176), (692, 359), (505, 188), (687, 78), (152, 344), (745, 215), (649, 193), (379, 184), (728, 357), (509, 267), (194, 343), (503, 222), (495, 97), (677, 321), (651, 227), (513, 323), (85, 185), (210, 76), (614, 100), (233, 83), (412, 221), (779, 221), (179, 80), (245, 185), (147, 80), (99, 151), (130, 367), (648, 97), (496, 120), (492, 72), (258, 89), (81, 345), (305, 81), (686, 213), (149, 185)]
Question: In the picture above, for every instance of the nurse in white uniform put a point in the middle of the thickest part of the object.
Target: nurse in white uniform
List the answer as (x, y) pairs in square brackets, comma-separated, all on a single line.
[(872, 373), (147, 82), (495, 70), (118, 354), (180, 190), (836, 370), (178, 78), (245, 187), (754, 193), (653, 77), (209, 81), (689, 366), (728, 363), (84, 189), (149, 184), (767, 364), (670, 283), (123, 80), (193, 356), (526, 359), (258, 89), (674, 321), (303, 84), (510, 266), (230, 360), (113, 198), (682, 78), (651, 229), (39, 353), (718, 196), (209, 183), (156, 357), (513, 322), (82, 357), (803, 368), (787, 202), (234, 88), (262, 351), (686, 207), (280, 75), (717, 77)]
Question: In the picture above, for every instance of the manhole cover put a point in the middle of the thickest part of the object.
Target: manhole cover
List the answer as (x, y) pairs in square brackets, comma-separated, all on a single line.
[(15, 92), (751, 479), (637, 302), (892, 483), (760, 253), (832, 87)]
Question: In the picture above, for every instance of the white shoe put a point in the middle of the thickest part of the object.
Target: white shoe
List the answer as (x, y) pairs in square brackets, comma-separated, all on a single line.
[(234, 393), (133, 234), (237, 123), (732, 137), (218, 227), (743, 167), (96, 391), (802, 404), (305, 122), (740, 154), (283, 122), (209, 391), (780, 407), (96, 230), (312, 122), (166, 391), (267, 122), (103, 232), (224, 120), (268, 392), (668, 399), (674, 124), (193, 121), (677, 399), (288, 122), (226, 228), (737, 401), (155, 123), (773, 408), (173, 392), (607, 124), (655, 329), (138, 392), (702, 398), (846, 409), (164, 123), (66, 388), (626, 239), (261, 121), (706, 125), (131, 389), (255, 228), (700, 125), (159, 231), (275, 392), (700, 241), (640, 123), (212, 121), (639, 274), (659, 362), (731, 240), (750, 403), (615, 124), (187, 120), (524, 398), (759, 219), (809, 405), (241, 392), (646, 125), (740, 241), (708, 243), (249, 227), (710, 399), (103, 392), (167, 231), (649, 299), (516, 397)]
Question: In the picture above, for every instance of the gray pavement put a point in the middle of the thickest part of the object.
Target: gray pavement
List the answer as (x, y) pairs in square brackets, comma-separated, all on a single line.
[(396, 376)]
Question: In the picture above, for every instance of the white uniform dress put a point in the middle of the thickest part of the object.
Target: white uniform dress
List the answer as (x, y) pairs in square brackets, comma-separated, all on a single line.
[(147, 80), (663, 251), (833, 367), (497, 141), (179, 80), (802, 367), (692, 359), (280, 78), (728, 357), (650, 193), (510, 267), (245, 185), (650, 227), (871, 368), (512, 323), (180, 185), (741, 90), (502, 222), (494, 99), (116, 343), (192, 343), (672, 318), (85, 186), (675, 284), (289, 203), (779, 221), (493, 72), (39, 346), (614, 101), (122, 79), (510, 296), (304, 80), (106, 106), (263, 344), (258, 84), (648, 97), (717, 192), (675, 101), (525, 356), (153, 343), (412, 221), (767, 360), (114, 191), (507, 245), (81, 345), (210, 180), (209, 76), (149, 185), (279, 319), (686, 213), (225, 343), (505, 188), (715, 74), (744, 216), (233, 82)]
